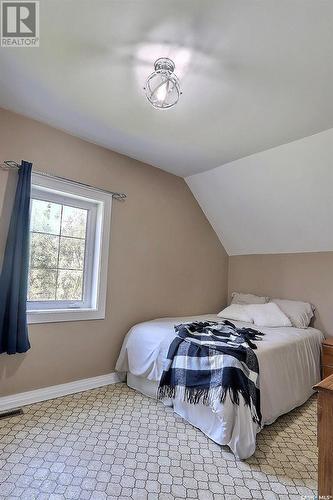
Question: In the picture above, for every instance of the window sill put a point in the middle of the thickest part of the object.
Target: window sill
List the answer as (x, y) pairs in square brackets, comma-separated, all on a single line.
[(59, 315)]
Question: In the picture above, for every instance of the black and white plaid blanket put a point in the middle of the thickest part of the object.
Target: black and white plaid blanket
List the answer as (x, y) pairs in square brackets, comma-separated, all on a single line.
[(207, 360)]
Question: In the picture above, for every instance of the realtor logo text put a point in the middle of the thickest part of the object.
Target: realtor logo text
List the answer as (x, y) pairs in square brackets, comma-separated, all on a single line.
[(19, 24)]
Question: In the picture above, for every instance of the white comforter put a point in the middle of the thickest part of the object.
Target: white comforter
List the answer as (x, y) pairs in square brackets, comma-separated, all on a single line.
[(289, 362)]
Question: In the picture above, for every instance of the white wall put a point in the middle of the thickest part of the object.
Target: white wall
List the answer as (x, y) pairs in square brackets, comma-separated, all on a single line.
[(276, 201)]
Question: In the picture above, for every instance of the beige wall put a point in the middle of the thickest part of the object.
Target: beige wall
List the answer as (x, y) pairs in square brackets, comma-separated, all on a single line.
[(165, 259), (303, 276)]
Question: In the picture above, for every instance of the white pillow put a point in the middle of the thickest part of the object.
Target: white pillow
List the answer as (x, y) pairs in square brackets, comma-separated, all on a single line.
[(267, 315), (299, 313), (237, 312), (247, 298)]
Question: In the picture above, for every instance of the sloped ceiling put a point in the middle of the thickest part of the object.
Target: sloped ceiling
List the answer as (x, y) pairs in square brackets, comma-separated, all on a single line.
[(255, 74), (276, 201)]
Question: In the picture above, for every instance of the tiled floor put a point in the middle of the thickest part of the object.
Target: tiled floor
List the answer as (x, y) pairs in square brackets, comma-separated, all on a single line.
[(115, 443)]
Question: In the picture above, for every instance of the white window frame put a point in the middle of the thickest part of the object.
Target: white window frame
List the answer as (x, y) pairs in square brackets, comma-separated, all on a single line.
[(92, 209), (99, 205)]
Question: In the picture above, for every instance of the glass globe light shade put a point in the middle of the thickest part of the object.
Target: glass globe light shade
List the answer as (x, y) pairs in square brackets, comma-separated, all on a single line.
[(162, 87)]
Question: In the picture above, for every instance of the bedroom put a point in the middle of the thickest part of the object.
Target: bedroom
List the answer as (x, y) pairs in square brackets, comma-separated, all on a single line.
[(134, 214)]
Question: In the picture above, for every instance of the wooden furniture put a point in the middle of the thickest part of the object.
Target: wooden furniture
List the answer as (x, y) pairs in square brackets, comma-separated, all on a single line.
[(325, 437), (327, 358)]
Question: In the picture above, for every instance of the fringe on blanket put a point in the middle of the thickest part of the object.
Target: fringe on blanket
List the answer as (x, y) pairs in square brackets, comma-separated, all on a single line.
[(208, 397)]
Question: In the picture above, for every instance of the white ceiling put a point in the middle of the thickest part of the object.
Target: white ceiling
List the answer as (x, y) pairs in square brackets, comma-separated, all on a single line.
[(276, 201), (254, 73)]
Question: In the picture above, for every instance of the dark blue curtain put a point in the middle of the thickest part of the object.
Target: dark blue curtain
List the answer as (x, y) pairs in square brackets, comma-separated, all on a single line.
[(14, 274)]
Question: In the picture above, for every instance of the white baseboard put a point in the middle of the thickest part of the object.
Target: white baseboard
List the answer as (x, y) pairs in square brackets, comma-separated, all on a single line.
[(56, 391)]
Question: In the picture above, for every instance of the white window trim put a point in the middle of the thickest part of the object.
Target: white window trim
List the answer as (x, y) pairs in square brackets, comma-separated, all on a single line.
[(102, 242)]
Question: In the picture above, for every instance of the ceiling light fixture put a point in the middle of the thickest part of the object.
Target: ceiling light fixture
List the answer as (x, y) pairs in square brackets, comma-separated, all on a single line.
[(162, 87)]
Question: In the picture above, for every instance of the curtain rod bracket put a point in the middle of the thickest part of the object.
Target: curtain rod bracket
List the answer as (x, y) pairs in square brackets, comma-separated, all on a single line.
[(10, 165)]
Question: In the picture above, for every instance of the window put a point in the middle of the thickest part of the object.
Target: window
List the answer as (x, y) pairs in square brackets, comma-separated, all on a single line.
[(69, 239)]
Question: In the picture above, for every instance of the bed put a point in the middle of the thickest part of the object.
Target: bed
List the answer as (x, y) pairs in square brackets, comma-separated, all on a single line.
[(289, 363)]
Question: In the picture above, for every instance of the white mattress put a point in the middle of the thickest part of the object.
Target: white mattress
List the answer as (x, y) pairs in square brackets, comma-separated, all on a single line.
[(289, 364)]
